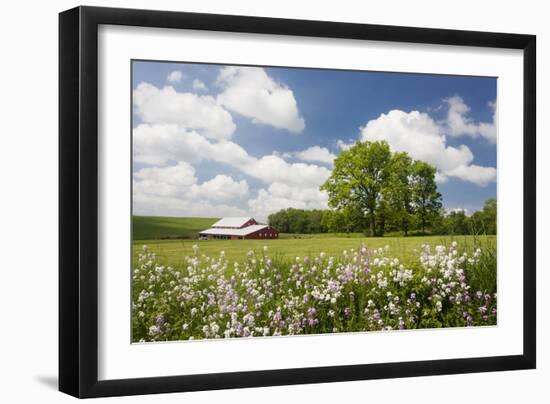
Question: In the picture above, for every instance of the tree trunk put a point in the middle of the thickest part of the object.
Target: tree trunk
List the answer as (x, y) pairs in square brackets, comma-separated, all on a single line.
[(372, 224)]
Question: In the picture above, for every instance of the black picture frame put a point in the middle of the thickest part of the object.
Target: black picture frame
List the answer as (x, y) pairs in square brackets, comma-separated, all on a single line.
[(78, 200)]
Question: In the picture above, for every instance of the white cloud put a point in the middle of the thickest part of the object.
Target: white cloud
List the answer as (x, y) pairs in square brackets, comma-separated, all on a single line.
[(175, 77), (153, 205), (342, 145), (165, 181), (167, 106), (250, 92), (460, 124), (316, 153), (159, 144), (281, 196), (198, 85), (287, 183), (481, 176), (220, 188), (419, 135), (174, 190)]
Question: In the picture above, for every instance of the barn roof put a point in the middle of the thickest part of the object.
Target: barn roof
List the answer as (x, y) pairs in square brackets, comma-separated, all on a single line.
[(236, 232), (232, 222)]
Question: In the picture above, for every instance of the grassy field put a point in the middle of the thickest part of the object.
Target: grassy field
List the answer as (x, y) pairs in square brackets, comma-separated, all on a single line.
[(156, 227), (181, 294), (173, 252), (172, 239)]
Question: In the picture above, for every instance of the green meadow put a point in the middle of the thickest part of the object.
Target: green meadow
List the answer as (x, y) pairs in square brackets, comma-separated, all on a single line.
[(172, 239), (159, 227)]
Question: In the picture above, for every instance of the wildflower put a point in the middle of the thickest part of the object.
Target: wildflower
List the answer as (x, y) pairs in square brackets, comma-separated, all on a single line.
[(154, 330)]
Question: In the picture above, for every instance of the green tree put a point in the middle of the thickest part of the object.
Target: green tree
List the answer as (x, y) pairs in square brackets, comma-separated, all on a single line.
[(425, 198), (358, 177), (485, 220), (398, 194)]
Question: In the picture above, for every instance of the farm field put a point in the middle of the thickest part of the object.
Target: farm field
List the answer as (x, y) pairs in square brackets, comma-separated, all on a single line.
[(172, 239), (191, 289), (187, 289), (173, 252), (157, 227)]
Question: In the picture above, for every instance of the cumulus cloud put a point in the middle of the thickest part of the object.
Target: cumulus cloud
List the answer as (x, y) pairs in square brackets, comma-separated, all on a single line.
[(473, 173), (159, 144), (281, 196), (198, 85), (167, 106), (153, 205), (342, 145), (174, 77), (251, 92), (419, 135), (458, 122), (176, 190), (220, 188), (286, 184), (316, 154)]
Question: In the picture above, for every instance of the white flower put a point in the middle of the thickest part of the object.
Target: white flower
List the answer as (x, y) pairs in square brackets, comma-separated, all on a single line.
[(265, 248)]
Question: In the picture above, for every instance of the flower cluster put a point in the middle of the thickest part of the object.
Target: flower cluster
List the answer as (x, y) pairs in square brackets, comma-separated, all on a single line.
[(362, 290)]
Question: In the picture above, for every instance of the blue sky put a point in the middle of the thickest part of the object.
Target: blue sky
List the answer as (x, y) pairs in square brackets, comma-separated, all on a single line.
[(213, 140)]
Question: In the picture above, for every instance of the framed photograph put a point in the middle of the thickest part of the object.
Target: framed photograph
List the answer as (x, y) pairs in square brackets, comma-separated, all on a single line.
[(251, 201)]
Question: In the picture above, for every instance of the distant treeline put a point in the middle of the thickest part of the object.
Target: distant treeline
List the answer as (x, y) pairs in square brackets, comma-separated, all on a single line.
[(376, 191), (348, 221)]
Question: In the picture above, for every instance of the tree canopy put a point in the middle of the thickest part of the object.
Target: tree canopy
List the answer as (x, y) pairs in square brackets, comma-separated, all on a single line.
[(389, 188), (376, 191)]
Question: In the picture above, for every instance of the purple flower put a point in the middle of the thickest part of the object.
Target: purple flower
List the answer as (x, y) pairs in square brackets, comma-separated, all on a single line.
[(312, 321), (347, 312)]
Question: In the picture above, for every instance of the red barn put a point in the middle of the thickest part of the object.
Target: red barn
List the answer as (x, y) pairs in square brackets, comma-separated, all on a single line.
[(239, 228)]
